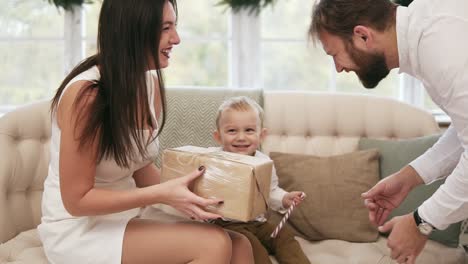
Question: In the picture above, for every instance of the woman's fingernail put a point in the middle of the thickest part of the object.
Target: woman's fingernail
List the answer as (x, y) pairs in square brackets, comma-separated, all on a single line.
[(201, 168), (221, 202), (193, 218)]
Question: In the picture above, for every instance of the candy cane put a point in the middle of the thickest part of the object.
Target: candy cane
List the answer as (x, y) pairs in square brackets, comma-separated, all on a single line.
[(285, 218)]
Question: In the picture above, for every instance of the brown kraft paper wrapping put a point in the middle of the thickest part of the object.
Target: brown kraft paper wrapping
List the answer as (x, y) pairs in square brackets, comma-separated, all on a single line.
[(242, 181)]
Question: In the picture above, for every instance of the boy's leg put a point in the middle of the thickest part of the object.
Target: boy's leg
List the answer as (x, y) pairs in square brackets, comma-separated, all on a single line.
[(284, 246), (260, 253)]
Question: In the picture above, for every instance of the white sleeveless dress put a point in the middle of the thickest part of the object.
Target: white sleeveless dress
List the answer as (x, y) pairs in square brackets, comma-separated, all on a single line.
[(91, 239)]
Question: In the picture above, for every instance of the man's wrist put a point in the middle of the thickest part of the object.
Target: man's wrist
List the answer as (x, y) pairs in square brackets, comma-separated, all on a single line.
[(424, 227), (410, 173)]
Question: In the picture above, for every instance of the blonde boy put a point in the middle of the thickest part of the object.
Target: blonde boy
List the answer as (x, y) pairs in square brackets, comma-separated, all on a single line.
[(240, 129)]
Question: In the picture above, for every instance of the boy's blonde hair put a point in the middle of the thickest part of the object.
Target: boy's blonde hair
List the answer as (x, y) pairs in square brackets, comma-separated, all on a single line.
[(240, 103)]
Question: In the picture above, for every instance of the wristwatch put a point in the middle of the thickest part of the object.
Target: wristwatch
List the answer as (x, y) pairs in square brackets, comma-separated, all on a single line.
[(424, 227)]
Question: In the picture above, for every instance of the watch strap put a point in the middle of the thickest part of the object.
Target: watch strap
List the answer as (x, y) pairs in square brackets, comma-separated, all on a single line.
[(417, 218)]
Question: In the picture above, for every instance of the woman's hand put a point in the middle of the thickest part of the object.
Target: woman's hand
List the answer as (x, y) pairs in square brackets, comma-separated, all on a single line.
[(178, 195)]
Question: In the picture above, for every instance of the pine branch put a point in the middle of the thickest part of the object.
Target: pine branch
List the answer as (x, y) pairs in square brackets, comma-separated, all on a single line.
[(68, 4), (252, 6), (403, 2)]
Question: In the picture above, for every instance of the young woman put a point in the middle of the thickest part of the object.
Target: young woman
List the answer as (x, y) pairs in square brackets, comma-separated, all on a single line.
[(104, 138)]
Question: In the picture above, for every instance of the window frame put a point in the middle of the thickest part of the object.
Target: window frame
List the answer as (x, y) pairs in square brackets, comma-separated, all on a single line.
[(244, 58)]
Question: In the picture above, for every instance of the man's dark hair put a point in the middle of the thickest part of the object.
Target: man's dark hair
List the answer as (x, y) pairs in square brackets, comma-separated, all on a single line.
[(339, 17)]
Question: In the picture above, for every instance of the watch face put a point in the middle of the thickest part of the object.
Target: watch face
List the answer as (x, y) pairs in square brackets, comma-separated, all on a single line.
[(425, 228)]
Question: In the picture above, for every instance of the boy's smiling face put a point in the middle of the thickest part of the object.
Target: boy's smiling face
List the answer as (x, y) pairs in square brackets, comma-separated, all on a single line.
[(239, 131)]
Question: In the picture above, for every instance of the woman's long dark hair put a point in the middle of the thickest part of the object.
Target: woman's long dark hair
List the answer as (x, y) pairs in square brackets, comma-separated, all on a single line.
[(129, 32)]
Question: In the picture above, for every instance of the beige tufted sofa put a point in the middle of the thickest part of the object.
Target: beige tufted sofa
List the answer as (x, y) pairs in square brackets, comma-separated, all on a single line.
[(299, 122)]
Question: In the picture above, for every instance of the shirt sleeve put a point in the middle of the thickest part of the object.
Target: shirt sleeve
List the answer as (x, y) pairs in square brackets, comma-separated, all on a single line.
[(276, 193), (443, 66), (440, 160)]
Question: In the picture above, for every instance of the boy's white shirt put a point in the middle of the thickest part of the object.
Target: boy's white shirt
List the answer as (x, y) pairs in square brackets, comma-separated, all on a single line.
[(276, 193)]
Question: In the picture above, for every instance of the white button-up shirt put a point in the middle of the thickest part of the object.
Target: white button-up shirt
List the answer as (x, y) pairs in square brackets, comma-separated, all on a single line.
[(432, 40)]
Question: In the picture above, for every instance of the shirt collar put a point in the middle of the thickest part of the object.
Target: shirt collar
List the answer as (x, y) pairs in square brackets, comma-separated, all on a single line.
[(402, 22)]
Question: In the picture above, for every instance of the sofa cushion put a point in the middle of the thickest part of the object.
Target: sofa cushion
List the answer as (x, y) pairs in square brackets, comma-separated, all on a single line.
[(343, 252), (327, 124), (24, 248), (24, 140), (333, 208), (394, 155)]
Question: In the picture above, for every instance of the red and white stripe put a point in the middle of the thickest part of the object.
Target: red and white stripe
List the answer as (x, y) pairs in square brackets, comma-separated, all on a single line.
[(285, 218)]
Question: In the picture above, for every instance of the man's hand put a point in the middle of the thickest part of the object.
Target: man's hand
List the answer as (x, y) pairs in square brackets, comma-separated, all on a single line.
[(405, 240), (389, 193)]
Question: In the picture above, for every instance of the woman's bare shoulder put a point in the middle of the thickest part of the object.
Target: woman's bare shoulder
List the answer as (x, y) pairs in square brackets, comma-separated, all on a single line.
[(70, 96)]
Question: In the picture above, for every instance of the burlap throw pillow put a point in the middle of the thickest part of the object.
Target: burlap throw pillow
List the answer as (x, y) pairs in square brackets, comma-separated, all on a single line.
[(333, 208)]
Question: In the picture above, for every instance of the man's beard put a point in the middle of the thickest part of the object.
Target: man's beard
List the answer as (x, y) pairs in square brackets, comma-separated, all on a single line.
[(372, 67)]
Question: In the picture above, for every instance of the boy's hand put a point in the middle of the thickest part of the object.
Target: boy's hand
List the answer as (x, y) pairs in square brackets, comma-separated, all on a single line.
[(291, 197)]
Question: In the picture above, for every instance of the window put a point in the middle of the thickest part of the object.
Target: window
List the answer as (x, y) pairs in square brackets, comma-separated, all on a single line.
[(220, 49), (202, 58), (31, 51), (290, 61)]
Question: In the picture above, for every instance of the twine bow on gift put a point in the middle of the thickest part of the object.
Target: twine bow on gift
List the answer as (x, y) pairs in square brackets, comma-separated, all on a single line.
[(285, 218)]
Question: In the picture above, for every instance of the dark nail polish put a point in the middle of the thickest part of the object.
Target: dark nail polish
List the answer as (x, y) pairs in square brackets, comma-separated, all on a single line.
[(201, 168), (221, 202), (193, 218)]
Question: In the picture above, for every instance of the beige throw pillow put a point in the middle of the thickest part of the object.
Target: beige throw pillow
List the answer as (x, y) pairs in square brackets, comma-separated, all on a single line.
[(333, 208)]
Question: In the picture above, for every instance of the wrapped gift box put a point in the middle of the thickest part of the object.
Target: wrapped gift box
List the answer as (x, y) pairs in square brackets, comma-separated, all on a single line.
[(242, 181)]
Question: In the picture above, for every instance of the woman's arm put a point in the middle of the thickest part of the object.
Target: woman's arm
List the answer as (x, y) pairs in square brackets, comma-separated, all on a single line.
[(77, 170), (147, 176), (77, 167)]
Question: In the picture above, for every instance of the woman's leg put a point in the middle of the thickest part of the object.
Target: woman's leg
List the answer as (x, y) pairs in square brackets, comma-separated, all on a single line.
[(147, 241), (241, 249)]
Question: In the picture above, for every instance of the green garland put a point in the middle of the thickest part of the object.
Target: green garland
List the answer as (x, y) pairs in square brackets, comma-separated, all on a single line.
[(253, 6), (403, 2), (68, 4)]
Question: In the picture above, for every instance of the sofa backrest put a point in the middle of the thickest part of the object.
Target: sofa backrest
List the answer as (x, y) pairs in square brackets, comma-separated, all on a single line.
[(326, 124), (24, 152), (298, 122), (192, 113), (24, 148)]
